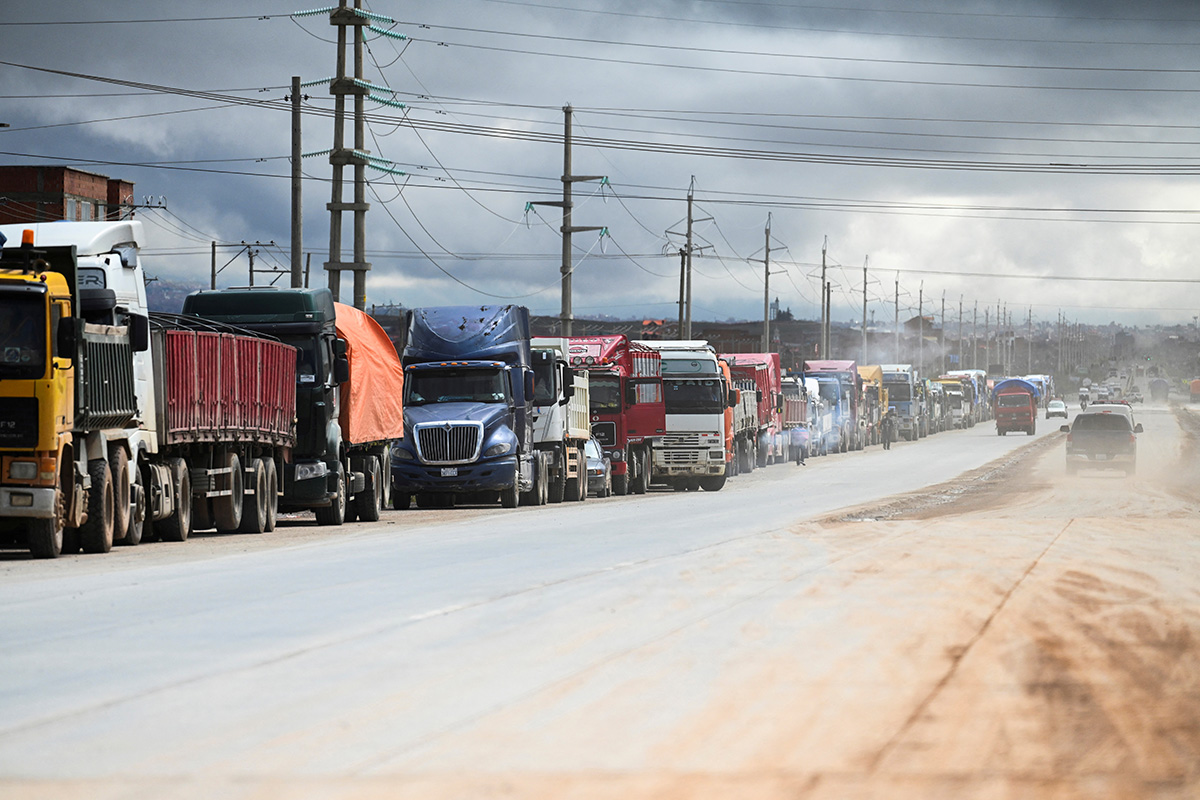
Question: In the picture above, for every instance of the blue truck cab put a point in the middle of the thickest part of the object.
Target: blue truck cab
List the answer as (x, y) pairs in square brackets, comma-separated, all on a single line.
[(468, 407)]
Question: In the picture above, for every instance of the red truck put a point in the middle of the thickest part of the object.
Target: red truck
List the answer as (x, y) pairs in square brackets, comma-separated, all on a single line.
[(1016, 404), (765, 370), (628, 410)]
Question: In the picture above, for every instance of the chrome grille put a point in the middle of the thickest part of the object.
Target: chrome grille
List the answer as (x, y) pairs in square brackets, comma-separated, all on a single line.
[(681, 456), (605, 433), (449, 442), (677, 440)]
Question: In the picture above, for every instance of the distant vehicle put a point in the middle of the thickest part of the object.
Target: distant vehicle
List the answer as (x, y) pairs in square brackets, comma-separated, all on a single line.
[(599, 469), (1056, 408), (1016, 402), (1102, 439)]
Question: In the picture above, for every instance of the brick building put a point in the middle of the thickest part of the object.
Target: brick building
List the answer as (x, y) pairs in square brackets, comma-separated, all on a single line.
[(46, 194)]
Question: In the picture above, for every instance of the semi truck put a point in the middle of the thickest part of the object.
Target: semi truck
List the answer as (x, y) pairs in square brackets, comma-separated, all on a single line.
[(844, 402), (692, 453), (628, 411), (1016, 404), (875, 403), (468, 409), (764, 370), (114, 418), (742, 437), (904, 398), (560, 420), (349, 391)]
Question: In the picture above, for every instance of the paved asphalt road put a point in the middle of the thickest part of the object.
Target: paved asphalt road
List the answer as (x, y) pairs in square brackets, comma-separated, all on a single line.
[(746, 643)]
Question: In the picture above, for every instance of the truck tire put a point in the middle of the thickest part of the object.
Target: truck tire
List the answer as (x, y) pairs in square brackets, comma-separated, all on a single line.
[(272, 494), (46, 535), (202, 514), (176, 527), (713, 483), (118, 465), (254, 505), (760, 457), (641, 482), (96, 535), (401, 501), (335, 512), (227, 509), (510, 497), (620, 483), (576, 488), (557, 486), (137, 514), (370, 500), (583, 476)]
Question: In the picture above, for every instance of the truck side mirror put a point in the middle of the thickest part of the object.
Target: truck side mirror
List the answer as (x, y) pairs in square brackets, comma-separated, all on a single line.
[(779, 404), (568, 383), (1137, 428), (528, 384), (758, 395), (631, 395), (1065, 428), (139, 333), (341, 369), (67, 340), (734, 399), (340, 348)]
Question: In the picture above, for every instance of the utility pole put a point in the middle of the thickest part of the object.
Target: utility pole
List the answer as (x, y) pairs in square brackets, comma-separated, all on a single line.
[(685, 273), (921, 328), (347, 19), (828, 341), (766, 337), (896, 325), (975, 336), (1029, 342), (297, 175), (213, 280), (961, 364), (987, 341), (682, 288), (862, 356), (566, 315), (824, 304), (943, 335)]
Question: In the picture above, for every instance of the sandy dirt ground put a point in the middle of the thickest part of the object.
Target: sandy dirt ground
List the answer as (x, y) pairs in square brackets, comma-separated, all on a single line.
[(1016, 633)]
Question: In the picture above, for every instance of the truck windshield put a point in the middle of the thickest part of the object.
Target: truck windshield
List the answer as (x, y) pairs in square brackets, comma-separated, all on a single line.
[(604, 394), (310, 366), (695, 396), (22, 336), (454, 386), (899, 392), (1014, 401), (831, 391)]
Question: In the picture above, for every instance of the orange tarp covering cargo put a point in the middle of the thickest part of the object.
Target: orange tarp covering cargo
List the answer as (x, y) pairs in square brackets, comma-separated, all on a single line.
[(371, 400)]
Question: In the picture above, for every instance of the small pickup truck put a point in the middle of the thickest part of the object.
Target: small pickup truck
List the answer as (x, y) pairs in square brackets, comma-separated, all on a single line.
[(1102, 439)]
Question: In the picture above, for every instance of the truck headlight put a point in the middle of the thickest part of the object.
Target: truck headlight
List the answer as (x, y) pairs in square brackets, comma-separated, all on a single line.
[(23, 470), (616, 456), (310, 470), (497, 450), (401, 454)]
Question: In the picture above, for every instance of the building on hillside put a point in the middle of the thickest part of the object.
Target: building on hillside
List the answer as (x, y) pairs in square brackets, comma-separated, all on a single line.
[(48, 193)]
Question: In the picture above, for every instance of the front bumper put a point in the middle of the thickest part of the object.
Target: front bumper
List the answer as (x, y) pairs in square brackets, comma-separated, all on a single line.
[(409, 477), (26, 503)]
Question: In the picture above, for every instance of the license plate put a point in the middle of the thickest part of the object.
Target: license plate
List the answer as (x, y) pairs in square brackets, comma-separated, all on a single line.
[(449, 472)]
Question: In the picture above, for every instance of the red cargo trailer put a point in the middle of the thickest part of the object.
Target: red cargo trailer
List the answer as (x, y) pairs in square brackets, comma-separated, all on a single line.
[(764, 370), (628, 410), (226, 416)]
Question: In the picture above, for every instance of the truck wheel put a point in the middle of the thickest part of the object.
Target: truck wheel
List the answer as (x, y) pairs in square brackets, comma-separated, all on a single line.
[(641, 483), (118, 465), (227, 509), (272, 494), (713, 483), (760, 456), (335, 512), (557, 486), (96, 535), (370, 500), (254, 506), (46, 535), (176, 527), (582, 480), (202, 515), (137, 515), (620, 484), (510, 497)]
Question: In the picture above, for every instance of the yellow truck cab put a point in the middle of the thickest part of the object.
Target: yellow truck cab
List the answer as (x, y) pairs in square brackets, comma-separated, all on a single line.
[(37, 405)]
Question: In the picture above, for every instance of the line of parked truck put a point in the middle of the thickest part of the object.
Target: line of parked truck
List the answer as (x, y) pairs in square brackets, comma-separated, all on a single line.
[(118, 425)]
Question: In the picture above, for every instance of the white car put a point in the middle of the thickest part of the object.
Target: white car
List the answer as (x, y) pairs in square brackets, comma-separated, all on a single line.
[(1056, 408)]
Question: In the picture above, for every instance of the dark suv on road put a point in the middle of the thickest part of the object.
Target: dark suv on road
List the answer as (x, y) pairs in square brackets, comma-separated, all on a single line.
[(1102, 439)]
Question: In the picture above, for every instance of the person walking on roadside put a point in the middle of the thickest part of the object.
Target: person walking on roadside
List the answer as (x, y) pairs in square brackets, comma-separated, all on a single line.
[(889, 427), (800, 443)]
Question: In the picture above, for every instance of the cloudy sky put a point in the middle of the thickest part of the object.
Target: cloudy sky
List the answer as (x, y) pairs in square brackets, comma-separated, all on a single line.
[(1033, 154)]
